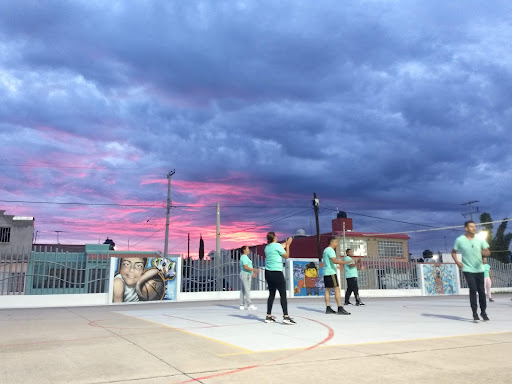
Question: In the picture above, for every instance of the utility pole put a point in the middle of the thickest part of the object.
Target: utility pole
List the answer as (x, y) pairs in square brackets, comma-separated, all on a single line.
[(470, 203), (188, 248), (166, 246), (316, 203), (218, 261), (343, 249)]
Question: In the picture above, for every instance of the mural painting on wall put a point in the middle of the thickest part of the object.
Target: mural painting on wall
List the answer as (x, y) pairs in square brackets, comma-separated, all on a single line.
[(144, 279), (440, 279), (308, 278)]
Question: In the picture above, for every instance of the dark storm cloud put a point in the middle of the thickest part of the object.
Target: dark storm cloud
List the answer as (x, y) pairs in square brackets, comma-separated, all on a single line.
[(392, 107)]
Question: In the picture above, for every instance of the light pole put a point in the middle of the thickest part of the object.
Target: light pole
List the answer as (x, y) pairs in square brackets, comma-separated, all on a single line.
[(166, 245), (482, 235)]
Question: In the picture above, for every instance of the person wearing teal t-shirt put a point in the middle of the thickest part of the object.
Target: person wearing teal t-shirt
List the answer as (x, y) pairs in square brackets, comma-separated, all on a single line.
[(351, 277), (472, 249), (274, 254), (330, 277), (487, 280), (247, 272)]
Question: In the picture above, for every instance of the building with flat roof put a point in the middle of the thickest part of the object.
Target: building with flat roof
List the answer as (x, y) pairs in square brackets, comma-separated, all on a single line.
[(16, 233), (364, 244)]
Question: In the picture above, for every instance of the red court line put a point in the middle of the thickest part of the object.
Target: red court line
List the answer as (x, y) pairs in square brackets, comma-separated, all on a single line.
[(325, 340)]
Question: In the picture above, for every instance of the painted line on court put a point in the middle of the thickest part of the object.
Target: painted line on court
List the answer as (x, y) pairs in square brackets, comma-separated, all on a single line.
[(195, 321), (296, 352), (94, 323), (369, 343), (209, 325), (420, 339), (192, 333)]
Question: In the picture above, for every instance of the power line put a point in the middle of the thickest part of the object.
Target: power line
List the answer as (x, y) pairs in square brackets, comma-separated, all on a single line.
[(437, 228), (386, 219), (85, 204), (177, 245), (154, 233), (270, 222), (148, 205)]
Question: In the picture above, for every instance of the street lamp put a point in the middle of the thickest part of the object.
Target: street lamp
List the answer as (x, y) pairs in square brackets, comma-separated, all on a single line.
[(482, 235)]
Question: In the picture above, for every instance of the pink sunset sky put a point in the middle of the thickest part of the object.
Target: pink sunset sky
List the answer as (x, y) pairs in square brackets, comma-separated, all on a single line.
[(397, 113)]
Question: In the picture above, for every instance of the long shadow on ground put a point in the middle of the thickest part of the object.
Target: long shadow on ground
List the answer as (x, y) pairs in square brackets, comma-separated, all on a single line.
[(447, 317)]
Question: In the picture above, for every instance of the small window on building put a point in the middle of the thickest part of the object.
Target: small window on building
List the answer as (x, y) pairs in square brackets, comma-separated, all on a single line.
[(390, 248), (5, 234), (358, 246)]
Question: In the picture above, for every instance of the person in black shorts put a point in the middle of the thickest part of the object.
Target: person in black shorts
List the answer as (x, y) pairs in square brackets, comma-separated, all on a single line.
[(330, 277)]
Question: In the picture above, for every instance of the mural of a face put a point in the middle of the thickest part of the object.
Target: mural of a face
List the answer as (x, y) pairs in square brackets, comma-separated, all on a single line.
[(311, 272), (131, 270)]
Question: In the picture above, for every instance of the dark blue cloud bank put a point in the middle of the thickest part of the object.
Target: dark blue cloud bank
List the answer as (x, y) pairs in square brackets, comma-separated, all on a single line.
[(398, 110)]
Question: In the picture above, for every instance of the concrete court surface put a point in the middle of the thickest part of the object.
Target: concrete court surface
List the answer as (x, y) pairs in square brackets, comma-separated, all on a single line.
[(390, 340)]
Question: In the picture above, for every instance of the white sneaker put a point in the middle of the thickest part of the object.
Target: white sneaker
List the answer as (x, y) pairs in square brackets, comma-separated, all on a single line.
[(288, 320), (242, 308), (252, 308)]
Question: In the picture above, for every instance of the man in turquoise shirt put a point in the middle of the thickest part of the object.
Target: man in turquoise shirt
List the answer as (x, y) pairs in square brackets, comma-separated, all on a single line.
[(330, 277), (351, 277), (472, 249)]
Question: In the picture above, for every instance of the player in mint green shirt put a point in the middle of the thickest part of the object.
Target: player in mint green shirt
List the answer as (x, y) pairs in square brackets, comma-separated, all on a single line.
[(274, 254), (351, 277), (247, 272), (472, 249), (330, 277)]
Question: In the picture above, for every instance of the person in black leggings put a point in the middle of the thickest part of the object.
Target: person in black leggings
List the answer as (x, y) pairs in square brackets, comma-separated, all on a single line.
[(274, 254)]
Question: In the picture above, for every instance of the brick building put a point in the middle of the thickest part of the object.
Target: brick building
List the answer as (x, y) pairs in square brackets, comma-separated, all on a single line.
[(364, 244)]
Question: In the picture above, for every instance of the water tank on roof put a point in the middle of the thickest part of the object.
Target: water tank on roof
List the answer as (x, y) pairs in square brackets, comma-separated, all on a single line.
[(341, 215), (300, 233), (427, 254)]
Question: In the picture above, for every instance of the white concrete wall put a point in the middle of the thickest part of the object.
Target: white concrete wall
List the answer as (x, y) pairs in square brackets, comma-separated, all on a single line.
[(465, 291), (42, 301), (389, 292)]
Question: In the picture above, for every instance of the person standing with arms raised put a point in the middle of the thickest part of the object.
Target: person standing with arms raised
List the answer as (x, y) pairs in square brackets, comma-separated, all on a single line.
[(274, 254), (472, 249)]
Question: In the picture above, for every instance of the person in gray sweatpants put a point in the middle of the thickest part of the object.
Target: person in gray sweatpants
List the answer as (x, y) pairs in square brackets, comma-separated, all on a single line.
[(247, 272)]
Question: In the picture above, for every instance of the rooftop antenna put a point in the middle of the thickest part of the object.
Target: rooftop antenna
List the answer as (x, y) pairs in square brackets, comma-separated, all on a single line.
[(57, 232)]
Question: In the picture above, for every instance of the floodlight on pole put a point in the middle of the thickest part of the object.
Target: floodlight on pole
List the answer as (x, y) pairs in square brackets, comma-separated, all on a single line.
[(482, 235)]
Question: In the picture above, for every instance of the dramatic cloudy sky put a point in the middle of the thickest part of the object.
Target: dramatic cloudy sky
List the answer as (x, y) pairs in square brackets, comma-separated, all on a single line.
[(396, 112)]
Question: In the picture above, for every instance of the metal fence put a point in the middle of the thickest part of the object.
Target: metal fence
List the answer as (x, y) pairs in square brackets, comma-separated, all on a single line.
[(43, 272), (501, 274), (381, 273), (50, 271), (13, 271), (220, 275)]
